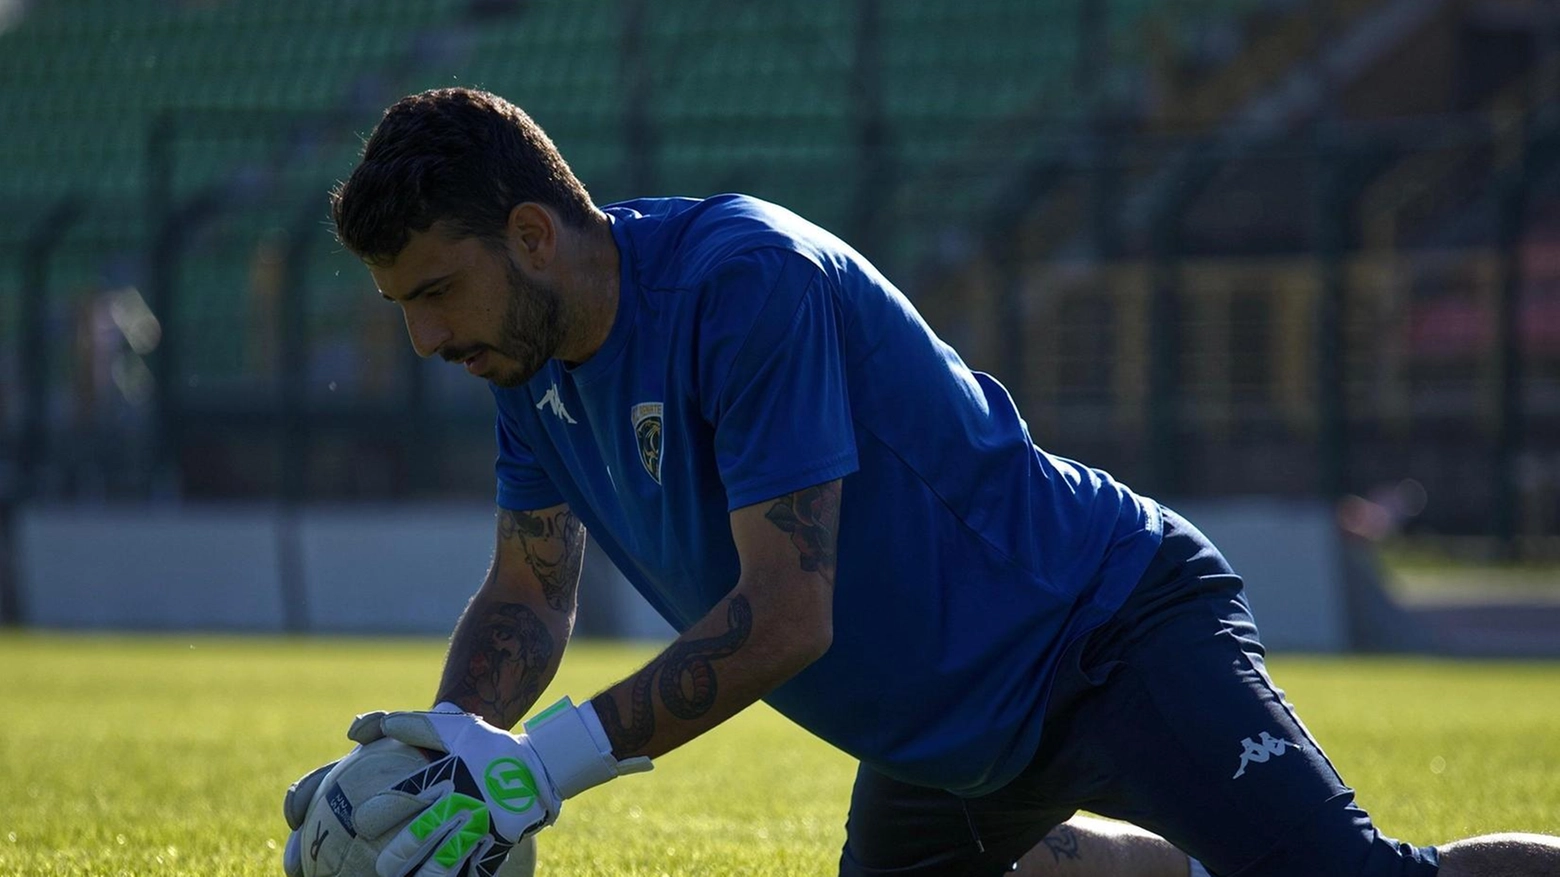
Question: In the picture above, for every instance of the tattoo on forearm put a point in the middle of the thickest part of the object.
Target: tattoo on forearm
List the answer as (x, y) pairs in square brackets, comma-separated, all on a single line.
[(688, 675), (812, 517), (1063, 843), (684, 676), (554, 546), (497, 661)]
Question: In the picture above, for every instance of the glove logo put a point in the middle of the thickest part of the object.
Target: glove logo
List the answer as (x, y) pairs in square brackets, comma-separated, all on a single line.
[(342, 807), (466, 814), (510, 785)]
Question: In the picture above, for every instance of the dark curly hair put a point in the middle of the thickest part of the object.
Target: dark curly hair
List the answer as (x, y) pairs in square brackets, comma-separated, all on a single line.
[(453, 155)]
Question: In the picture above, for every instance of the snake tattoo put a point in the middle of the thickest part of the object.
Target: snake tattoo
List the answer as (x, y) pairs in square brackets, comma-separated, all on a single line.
[(684, 675)]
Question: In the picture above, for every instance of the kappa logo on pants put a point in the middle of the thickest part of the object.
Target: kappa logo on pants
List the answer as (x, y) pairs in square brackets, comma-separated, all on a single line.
[(1260, 750)]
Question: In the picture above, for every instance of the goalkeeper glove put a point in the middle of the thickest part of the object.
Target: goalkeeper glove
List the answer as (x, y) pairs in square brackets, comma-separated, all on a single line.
[(295, 808), (373, 818), (506, 786)]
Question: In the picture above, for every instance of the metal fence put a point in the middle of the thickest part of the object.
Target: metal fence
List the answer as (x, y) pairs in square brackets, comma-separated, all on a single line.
[(1237, 247), (1273, 316)]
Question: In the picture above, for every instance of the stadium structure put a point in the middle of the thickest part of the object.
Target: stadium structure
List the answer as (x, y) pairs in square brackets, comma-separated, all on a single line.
[(1298, 250)]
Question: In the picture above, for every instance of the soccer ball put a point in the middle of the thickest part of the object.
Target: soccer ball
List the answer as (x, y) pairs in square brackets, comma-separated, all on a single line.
[(375, 789)]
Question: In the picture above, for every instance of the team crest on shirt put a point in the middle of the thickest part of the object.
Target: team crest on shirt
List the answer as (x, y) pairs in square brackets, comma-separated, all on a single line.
[(647, 430)]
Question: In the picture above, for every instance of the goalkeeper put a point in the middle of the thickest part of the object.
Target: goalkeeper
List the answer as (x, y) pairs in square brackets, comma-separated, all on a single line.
[(842, 519)]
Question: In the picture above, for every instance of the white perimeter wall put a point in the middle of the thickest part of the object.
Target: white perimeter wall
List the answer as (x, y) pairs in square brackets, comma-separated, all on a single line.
[(410, 569), (1291, 557)]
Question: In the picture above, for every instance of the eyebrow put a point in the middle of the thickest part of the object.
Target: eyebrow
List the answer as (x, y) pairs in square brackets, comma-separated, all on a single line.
[(421, 288)]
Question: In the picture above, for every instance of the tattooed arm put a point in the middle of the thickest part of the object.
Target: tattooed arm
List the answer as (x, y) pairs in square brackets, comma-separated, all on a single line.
[(507, 644), (776, 621)]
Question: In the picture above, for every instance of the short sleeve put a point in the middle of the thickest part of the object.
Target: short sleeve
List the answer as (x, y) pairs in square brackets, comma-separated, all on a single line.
[(782, 413), (522, 483)]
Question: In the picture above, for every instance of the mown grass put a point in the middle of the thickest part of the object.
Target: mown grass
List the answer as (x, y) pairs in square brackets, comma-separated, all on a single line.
[(168, 755)]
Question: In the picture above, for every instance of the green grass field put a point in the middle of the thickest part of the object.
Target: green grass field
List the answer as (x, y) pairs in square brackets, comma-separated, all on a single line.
[(168, 756)]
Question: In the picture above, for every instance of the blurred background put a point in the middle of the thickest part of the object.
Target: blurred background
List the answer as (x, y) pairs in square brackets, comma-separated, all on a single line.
[(1292, 265)]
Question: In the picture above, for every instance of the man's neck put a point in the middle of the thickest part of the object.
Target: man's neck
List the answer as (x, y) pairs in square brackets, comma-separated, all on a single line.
[(595, 296)]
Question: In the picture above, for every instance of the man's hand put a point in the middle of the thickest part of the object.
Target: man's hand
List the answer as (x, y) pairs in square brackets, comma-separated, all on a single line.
[(505, 787), (500, 791), (295, 809), (373, 819)]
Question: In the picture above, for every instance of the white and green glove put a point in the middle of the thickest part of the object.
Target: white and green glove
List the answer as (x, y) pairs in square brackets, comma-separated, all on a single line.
[(372, 819), (295, 807), (504, 786)]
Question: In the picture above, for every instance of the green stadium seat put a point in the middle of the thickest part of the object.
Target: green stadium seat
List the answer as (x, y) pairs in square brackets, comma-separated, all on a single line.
[(758, 97)]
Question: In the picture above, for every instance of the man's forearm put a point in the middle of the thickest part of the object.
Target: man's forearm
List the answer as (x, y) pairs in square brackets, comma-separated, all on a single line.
[(776, 621), (502, 655), (507, 644), (733, 656)]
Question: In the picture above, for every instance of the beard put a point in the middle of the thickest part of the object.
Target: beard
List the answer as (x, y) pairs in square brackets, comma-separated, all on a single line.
[(531, 330)]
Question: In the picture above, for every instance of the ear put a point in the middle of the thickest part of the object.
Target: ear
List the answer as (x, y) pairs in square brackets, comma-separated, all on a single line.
[(532, 235)]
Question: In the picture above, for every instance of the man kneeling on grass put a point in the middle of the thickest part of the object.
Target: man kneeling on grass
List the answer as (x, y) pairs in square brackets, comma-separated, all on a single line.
[(842, 519)]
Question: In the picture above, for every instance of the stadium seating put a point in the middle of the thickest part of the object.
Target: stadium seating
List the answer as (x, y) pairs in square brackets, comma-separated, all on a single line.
[(758, 97), (86, 78), (262, 98), (933, 134)]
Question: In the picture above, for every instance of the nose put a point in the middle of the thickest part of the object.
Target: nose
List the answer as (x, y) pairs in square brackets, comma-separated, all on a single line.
[(427, 331)]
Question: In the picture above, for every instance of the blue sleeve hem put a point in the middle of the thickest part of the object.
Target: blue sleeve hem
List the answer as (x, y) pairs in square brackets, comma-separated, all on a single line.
[(746, 494), (514, 500)]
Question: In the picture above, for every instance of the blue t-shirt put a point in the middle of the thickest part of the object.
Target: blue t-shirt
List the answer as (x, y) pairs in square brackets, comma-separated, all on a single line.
[(754, 354)]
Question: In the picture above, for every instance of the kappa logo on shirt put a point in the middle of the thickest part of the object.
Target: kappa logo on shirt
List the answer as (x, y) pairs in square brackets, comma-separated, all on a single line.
[(554, 404), (648, 432)]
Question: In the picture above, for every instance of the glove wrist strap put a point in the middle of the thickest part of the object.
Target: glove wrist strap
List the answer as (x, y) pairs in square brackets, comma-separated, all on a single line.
[(574, 749)]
